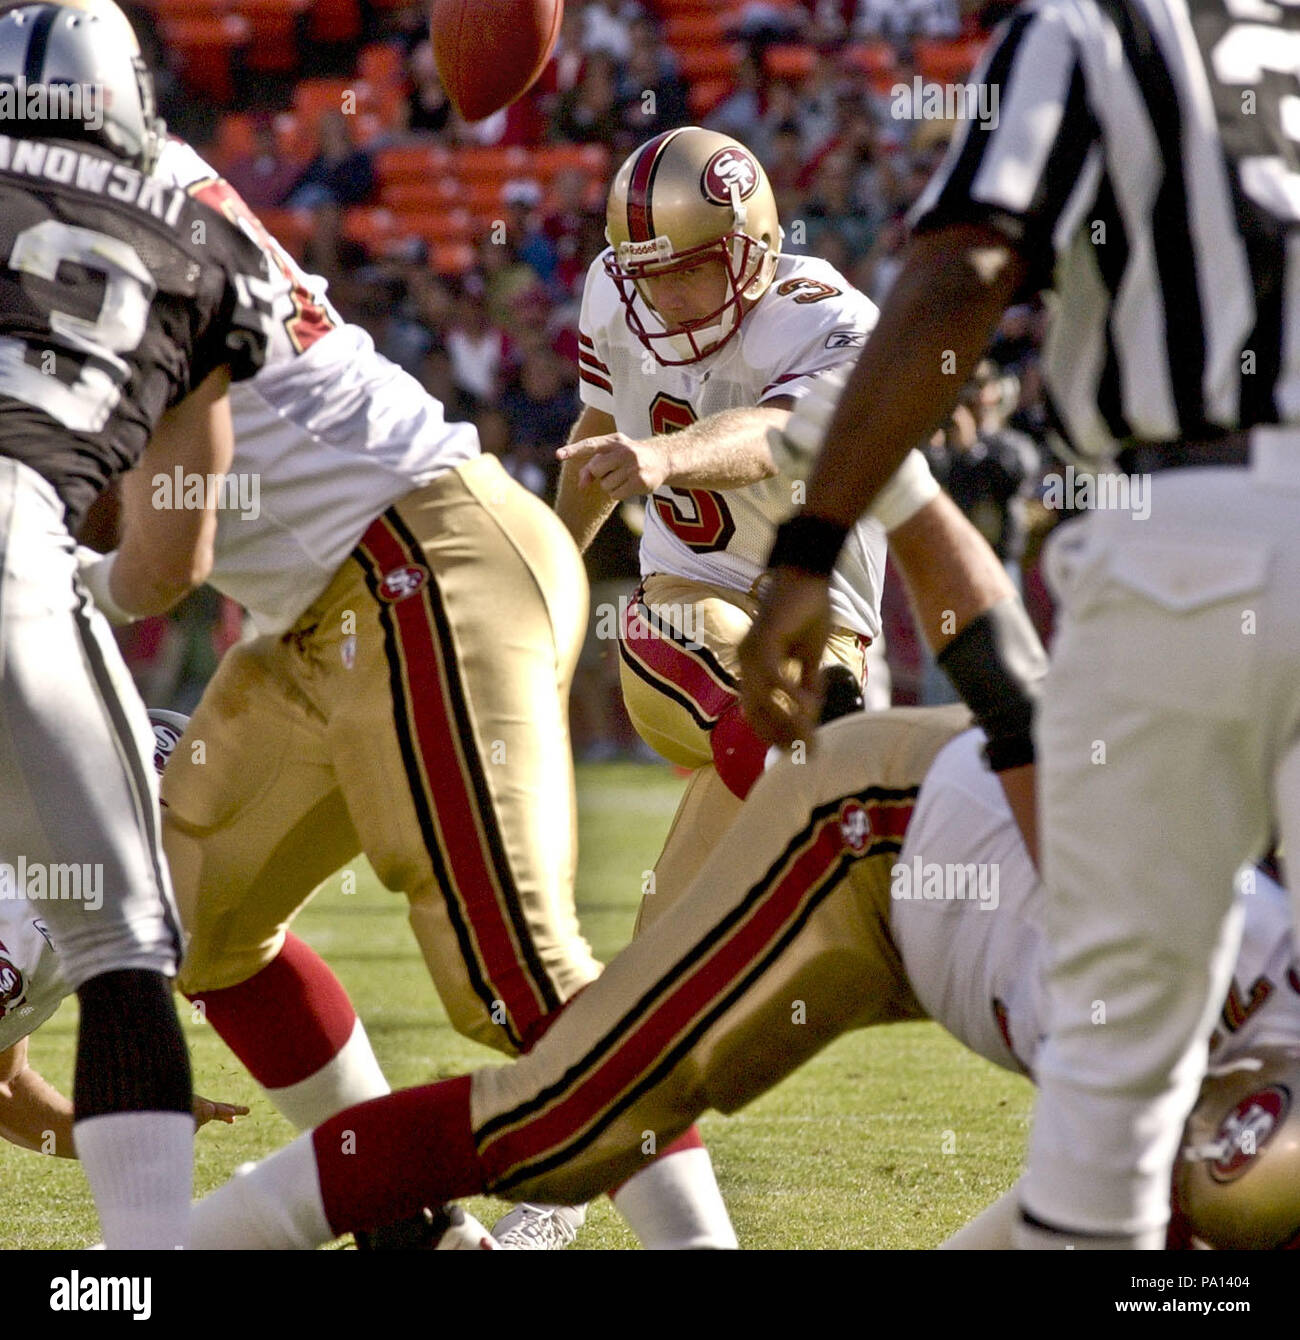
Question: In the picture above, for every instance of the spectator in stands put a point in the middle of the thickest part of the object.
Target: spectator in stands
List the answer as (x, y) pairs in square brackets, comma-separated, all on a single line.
[(784, 164), (541, 406), (567, 227), (263, 177), (899, 21), (429, 106), (652, 95), (522, 198), (738, 116), (607, 27), (422, 313), (494, 434), (819, 100), (589, 112), (475, 346), (340, 174), (832, 207), (503, 274), (436, 376)]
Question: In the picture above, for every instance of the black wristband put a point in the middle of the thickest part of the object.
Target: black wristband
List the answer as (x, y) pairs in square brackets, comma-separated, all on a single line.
[(811, 544), (997, 664)]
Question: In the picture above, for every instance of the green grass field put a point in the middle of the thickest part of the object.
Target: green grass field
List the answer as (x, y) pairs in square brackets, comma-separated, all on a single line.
[(890, 1138)]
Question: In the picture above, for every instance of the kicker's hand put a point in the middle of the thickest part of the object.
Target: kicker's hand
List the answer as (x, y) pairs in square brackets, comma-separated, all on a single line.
[(780, 659), (624, 468)]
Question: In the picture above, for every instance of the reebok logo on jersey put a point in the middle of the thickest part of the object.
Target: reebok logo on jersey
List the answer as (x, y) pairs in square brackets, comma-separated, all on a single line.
[(90, 1293), (846, 339), (402, 582)]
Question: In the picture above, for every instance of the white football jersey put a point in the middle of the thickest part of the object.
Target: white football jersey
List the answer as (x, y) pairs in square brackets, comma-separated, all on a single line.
[(31, 985), (977, 965), (809, 321), (327, 435)]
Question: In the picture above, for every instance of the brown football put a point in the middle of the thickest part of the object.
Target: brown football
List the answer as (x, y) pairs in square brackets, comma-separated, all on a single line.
[(489, 52)]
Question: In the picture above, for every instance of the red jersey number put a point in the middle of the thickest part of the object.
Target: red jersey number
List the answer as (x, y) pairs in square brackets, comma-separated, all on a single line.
[(309, 320), (699, 518)]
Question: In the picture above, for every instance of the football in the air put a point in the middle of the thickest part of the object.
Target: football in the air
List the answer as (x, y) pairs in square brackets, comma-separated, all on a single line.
[(489, 52)]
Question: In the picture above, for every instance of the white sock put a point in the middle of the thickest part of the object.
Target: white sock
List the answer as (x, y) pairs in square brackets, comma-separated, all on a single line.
[(140, 1166), (1031, 1238), (675, 1205), (352, 1076), (274, 1205)]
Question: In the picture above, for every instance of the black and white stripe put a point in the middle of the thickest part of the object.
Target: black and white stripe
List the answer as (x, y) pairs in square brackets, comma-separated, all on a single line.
[(1156, 201)]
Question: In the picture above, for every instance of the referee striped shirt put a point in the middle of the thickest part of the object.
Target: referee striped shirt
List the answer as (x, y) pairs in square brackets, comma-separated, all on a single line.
[(1146, 162)]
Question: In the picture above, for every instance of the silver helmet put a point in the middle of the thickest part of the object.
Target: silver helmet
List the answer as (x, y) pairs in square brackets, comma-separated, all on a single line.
[(74, 71)]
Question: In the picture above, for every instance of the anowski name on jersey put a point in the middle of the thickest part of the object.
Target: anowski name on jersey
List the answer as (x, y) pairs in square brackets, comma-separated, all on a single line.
[(119, 295), (809, 321)]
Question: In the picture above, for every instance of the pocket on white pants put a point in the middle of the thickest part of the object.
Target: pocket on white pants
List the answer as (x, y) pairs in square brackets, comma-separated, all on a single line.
[(1177, 618)]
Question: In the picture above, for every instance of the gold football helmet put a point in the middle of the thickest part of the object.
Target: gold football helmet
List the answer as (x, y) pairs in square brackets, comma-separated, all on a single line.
[(1237, 1179), (685, 197)]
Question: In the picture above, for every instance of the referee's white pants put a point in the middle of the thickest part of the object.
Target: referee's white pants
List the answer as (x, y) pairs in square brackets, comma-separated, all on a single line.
[(1168, 754)]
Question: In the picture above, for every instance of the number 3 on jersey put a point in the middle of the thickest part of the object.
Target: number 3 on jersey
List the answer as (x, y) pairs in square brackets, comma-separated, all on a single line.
[(699, 518)]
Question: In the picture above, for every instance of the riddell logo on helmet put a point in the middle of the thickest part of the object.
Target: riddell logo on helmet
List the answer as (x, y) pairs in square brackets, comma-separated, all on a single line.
[(1246, 1130), (728, 168)]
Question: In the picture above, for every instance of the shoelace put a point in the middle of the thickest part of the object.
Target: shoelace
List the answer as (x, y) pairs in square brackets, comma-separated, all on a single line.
[(539, 1226)]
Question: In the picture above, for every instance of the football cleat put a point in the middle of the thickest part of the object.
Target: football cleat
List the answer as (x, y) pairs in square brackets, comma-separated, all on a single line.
[(539, 1228), (446, 1229), (841, 693)]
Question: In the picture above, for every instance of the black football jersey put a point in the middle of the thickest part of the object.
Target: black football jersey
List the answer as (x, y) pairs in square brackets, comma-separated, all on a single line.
[(119, 295)]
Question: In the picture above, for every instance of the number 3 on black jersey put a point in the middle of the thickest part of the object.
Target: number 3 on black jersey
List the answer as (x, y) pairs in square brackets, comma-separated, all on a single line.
[(699, 518), (82, 403)]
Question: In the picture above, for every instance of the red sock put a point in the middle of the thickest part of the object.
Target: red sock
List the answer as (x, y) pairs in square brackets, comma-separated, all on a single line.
[(385, 1160), (690, 1138), (286, 1021), (738, 751)]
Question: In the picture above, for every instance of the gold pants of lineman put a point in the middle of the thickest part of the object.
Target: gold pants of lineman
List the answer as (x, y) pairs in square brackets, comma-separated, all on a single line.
[(781, 944), (679, 665), (417, 712)]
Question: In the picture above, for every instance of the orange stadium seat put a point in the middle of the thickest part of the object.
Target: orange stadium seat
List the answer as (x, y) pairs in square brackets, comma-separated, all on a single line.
[(789, 62), (203, 45), (335, 21), (454, 258), (381, 64), (696, 29), (946, 62), (236, 138), (275, 34), (707, 94), (491, 165), (412, 163), (711, 62)]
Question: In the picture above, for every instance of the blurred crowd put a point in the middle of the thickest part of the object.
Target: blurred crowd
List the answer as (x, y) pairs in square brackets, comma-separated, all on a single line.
[(497, 343)]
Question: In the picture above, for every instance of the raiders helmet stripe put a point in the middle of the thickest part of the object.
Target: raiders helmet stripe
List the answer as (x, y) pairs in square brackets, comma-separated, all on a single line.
[(34, 65)]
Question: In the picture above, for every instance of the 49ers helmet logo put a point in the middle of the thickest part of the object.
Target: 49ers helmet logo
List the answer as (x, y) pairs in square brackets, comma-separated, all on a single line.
[(13, 989), (402, 582), (727, 168), (1246, 1130)]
